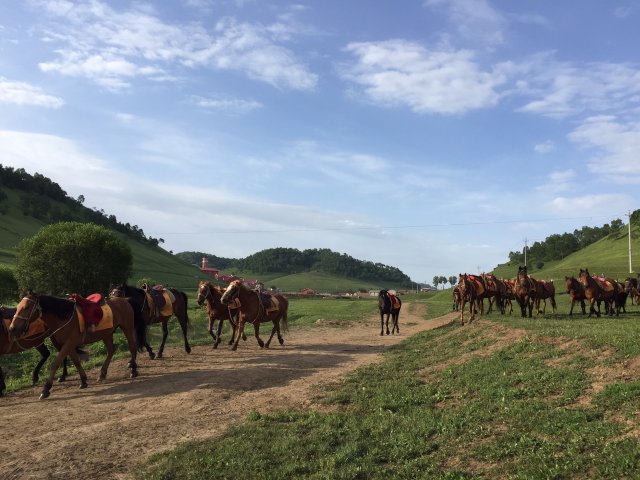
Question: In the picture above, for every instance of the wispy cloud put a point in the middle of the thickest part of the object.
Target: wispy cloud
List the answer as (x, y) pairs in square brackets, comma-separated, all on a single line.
[(544, 147), (403, 73), (615, 144), (21, 93), (234, 106), (596, 204), (558, 181), (112, 48)]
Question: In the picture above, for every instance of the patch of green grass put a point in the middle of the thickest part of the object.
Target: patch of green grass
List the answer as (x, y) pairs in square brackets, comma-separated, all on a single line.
[(425, 413)]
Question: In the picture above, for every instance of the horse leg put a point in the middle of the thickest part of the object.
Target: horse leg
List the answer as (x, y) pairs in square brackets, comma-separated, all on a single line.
[(108, 343), (241, 322), (584, 309), (44, 355), (184, 326), (210, 328), (395, 322), (149, 350), (165, 334), (571, 307), (132, 349), (216, 337), (273, 332), (48, 384), (462, 305), (256, 332), (381, 323)]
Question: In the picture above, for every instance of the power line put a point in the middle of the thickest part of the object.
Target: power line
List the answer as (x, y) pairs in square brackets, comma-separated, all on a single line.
[(381, 227)]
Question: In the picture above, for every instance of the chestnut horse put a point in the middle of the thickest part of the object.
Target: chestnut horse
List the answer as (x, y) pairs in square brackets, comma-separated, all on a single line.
[(596, 290), (631, 287), (576, 293), (495, 289), (524, 290), (390, 306), (253, 310), (543, 291), (472, 290), (61, 318), (144, 306), (10, 344), (210, 297)]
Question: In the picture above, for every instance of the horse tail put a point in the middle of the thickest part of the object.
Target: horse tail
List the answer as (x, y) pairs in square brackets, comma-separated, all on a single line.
[(139, 324), (186, 309), (283, 321)]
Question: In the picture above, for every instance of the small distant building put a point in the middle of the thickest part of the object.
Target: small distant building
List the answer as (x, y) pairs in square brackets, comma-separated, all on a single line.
[(206, 269)]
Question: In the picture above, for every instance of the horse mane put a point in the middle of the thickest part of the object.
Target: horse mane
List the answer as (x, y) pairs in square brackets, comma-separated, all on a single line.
[(57, 306)]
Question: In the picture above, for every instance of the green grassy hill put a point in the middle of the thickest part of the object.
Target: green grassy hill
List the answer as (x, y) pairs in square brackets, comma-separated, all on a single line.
[(609, 255), (148, 261), (318, 281)]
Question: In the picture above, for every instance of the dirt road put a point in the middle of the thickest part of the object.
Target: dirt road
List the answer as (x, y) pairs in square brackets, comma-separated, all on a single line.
[(109, 428)]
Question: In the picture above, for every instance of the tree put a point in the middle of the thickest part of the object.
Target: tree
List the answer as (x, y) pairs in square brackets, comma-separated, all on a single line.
[(436, 281), (443, 280), (453, 280), (72, 257)]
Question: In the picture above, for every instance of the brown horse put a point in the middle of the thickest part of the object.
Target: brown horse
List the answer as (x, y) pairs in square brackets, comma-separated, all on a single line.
[(389, 305), (254, 311), (509, 296), (524, 290), (34, 338), (144, 303), (455, 293), (495, 290), (472, 290), (543, 291), (62, 317), (631, 287), (596, 290), (210, 297), (576, 293)]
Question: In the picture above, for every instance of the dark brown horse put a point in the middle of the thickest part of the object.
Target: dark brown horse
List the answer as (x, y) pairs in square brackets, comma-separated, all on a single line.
[(62, 318), (524, 290), (210, 297), (389, 305), (253, 310), (495, 291), (631, 287), (596, 290), (146, 307), (509, 296), (34, 338), (576, 293)]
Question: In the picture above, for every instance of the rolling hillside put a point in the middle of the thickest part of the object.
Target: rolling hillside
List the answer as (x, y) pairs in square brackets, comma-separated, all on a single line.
[(148, 261), (609, 255)]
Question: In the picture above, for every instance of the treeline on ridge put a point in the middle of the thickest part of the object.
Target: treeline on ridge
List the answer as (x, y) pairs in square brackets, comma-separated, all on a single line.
[(292, 260), (558, 246), (45, 200)]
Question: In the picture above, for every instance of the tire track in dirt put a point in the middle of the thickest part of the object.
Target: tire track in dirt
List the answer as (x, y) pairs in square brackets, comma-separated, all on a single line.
[(106, 430)]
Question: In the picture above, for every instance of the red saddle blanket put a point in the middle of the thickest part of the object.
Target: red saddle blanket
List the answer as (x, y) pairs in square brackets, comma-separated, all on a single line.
[(91, 307)]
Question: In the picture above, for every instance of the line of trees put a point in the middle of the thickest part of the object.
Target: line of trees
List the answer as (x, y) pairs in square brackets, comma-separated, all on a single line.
[(45, 200), (558, 246), (442, 280), (292, 260)]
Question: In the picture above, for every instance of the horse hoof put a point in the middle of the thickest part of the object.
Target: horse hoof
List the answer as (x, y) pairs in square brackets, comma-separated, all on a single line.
[(187, 349), (281, 340), (62, 379), (152, 356), (44, 395), (84, 385), (133, 374), (159, 355)]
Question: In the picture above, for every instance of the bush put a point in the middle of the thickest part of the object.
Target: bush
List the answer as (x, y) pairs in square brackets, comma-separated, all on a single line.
[(8, 286)]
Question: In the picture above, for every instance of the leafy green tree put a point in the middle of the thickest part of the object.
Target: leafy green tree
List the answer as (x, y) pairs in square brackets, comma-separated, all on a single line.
[(8, 285), (436, 281), (453, 280), (443, 280), (71, 257)]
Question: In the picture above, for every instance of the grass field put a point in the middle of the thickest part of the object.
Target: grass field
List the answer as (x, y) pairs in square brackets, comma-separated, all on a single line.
[(553, 397)]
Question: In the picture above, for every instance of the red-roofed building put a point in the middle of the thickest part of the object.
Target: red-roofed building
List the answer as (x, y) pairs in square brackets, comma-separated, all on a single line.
[(205, 268)]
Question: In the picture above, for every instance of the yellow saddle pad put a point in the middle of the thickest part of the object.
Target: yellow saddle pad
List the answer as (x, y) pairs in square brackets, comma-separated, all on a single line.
[(275, 305), (105, 323), (167, 309)]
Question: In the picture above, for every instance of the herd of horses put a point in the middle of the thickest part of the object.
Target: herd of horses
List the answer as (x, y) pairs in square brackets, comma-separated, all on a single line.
[(68, 322), (532, 294)]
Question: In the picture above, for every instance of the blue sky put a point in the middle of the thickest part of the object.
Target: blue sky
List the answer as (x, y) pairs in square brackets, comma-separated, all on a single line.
[(431, 135)]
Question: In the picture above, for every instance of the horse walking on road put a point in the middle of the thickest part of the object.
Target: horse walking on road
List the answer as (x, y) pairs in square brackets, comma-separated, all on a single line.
[(65, 322), (390, 306), (253, 310), (211, 298)]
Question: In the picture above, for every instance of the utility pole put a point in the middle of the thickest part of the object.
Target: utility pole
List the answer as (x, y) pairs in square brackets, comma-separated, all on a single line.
[(630, 267)]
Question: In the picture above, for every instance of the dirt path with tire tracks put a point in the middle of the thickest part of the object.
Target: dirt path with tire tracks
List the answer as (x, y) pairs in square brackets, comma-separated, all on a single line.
[(106, 430)]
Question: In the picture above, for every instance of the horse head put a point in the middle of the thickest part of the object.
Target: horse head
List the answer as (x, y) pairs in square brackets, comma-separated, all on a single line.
[(584, 277), (203, 291), (27, 311), (231, 292)]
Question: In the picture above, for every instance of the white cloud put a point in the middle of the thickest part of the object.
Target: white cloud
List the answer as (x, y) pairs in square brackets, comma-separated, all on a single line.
[(227, 105), (558, 181), (399, 72), (475, 20), (595, 204), (562, 89), (544, 147), (21, 93), (110, 47), (616, 145)]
